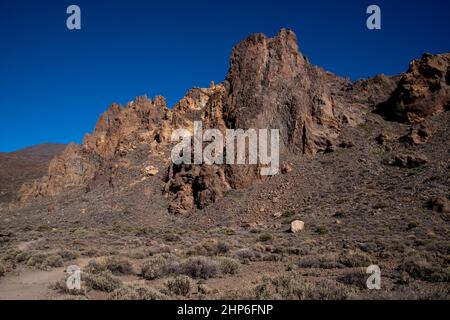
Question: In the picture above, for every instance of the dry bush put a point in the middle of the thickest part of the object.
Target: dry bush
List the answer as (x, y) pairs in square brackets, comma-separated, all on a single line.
[(67, 255), (153, 268), (136, 291), (94, 267), (118, 265), (356, 278), (61, 287), (180, 286), (229, 265), (265, 237), (325, 261), (102, 281), (420, 268), (245, 255), (293, 287), (42, 260), (209, 248), (354, 259), (2, 270), (199, 267)]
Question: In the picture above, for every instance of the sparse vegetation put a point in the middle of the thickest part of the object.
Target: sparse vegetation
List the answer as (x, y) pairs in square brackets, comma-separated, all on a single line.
[(180, 286), (102, 281), (136, 291), (153, 268)]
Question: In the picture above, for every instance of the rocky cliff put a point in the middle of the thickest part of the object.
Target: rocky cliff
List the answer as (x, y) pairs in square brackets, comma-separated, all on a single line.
[(270, 84)]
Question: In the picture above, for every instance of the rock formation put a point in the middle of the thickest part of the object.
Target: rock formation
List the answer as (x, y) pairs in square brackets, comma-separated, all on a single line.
[(270, 84), (422, 92)]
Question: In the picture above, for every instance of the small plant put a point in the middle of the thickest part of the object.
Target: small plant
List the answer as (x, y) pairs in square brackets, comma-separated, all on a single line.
[(180, 286), (118, 265), (413, 225), (200, 267), (136, 291), (229, 265), (2, 270), (103, 281), (153, 268), (354, 259), (265, 237), (321, 230)]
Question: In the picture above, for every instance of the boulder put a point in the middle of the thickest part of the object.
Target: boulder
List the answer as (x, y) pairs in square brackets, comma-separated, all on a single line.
[(297, 226)]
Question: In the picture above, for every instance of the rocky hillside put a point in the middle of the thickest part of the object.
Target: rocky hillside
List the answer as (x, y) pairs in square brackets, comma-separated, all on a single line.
[(24, 166), (270, 84)]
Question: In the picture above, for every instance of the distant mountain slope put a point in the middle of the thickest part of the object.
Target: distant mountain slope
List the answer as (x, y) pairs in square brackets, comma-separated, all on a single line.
[(25, 165)]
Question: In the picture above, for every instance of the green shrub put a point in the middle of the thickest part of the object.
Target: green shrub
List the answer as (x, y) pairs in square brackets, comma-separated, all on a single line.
[(265, 237), (229, 265)]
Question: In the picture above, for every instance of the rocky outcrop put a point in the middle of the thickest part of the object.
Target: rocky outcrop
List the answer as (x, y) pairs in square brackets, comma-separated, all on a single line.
[(422, 92), (270, 85)]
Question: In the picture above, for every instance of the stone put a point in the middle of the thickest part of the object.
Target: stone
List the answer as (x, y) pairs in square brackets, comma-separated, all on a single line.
[(150, 171), (297, 226)]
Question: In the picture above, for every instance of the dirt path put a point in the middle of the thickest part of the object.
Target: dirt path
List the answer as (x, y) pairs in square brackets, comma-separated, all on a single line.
[(32, 284), (29, 284)]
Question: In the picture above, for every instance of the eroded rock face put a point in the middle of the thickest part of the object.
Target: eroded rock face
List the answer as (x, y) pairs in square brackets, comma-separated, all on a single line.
[(73, 168), (422, 92), (270, 85)]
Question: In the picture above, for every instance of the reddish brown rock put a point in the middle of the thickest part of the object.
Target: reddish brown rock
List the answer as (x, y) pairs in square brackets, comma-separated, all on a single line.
[(422, 92)]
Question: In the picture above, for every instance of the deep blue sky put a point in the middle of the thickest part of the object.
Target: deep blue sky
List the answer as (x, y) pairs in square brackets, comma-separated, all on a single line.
[(54, 83)]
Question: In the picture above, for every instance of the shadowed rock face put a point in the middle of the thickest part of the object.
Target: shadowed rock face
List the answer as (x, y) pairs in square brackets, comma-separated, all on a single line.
[(422, 92), (270, 84)]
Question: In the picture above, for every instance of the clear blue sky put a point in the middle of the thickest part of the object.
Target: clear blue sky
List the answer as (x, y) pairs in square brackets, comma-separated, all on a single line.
[(54, 83)]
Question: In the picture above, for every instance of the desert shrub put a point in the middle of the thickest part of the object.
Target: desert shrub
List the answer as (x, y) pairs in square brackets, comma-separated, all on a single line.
[(138, 253), (354, 259), (265, 237), (199, 267), (229, 265), (321, 230), (292, 287), (61, 287), (2, 270), (223, 230), (23, 256), (53, 261), (418, 267), (36, 260), (203, 289), (171, 237), (153, 268), (273, 257), (136, 291), (356, 278), (102, 281), (67, 255), (245, 255), (118, 265), (180, 286), (325, 261), (209, 248), (94, 267)]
